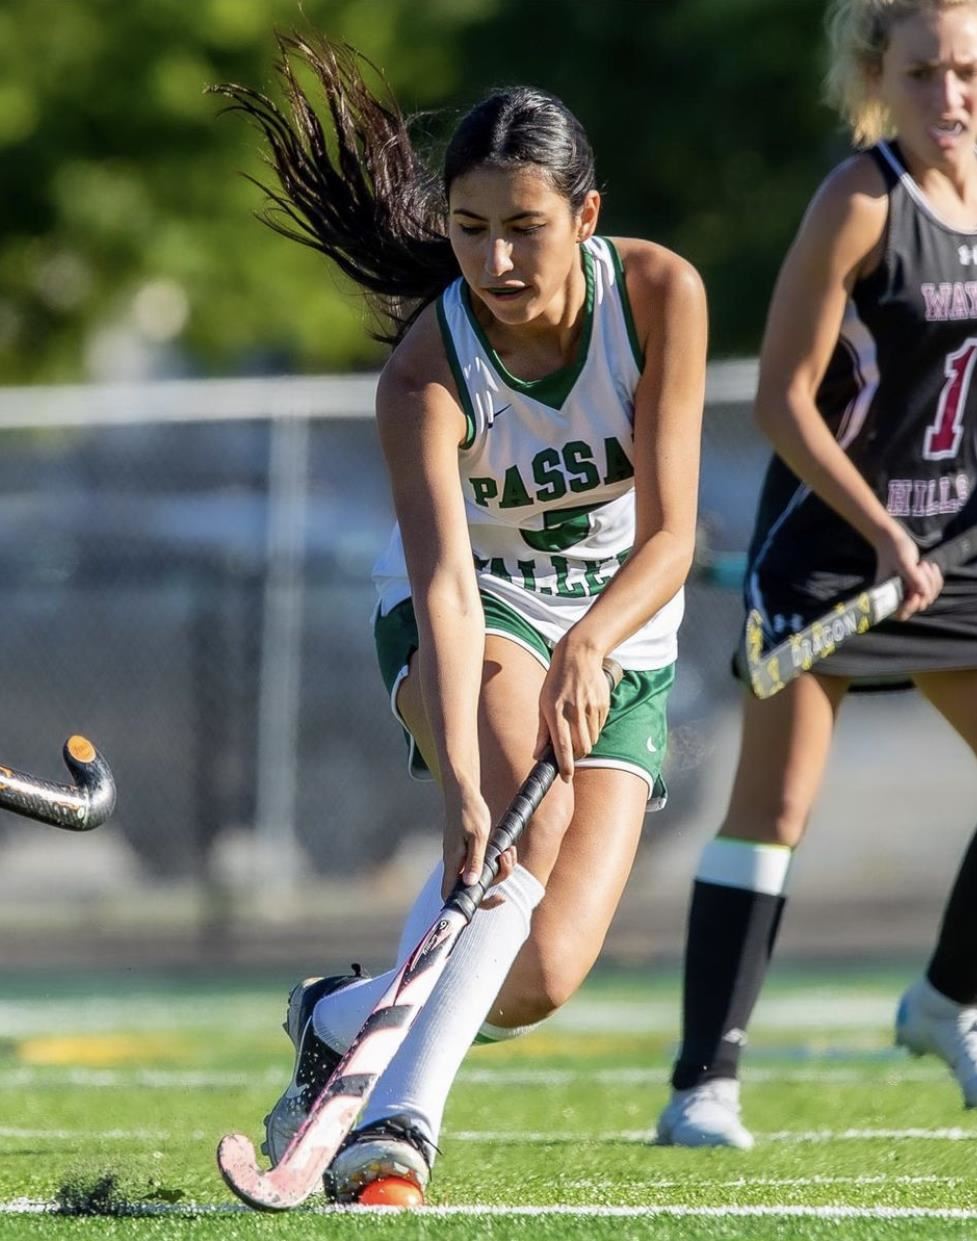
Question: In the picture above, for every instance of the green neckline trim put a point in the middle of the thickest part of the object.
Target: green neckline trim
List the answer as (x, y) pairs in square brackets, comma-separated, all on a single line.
[(639, 355), (552, 389), (464, 395)]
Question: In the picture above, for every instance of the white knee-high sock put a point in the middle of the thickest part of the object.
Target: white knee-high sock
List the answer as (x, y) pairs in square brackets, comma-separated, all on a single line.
[(338, 1018), (417, 1082), (425, 909), (422, 913)]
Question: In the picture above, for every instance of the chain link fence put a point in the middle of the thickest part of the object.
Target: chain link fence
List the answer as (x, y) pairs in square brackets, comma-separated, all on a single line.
[(187, 581), (187, 571)]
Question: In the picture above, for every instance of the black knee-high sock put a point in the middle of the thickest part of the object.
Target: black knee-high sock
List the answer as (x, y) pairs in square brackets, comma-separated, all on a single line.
[(953, 966), (731, 934)]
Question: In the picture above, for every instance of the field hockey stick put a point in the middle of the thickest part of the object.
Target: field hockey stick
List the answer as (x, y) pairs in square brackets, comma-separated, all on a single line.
[(771, 671), (76, 807), (314, 1146)]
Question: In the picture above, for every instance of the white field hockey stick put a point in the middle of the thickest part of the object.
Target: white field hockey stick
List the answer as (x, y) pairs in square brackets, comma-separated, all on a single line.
[(771, 671), (76, 807), (299, 1171)]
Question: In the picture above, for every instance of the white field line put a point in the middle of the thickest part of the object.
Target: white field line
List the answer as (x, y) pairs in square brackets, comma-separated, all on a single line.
[(533, 1138), (100, 1135), (153, 1079), (29, 1206), (527, 1137), (137, 1012), (811, 1009), (897, 1071), (780, 1182), (872, 1135), (814, 1008)]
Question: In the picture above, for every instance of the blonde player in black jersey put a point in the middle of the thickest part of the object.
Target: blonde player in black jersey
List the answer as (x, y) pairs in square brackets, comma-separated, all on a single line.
[(540, 419), (867, 393)]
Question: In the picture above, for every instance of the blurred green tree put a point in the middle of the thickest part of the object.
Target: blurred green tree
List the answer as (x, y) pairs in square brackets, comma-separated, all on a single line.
[(127, 235), (124, 223)]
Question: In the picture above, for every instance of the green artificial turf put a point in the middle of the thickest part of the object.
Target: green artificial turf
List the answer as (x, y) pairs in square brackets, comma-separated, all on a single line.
[(115, 1092)]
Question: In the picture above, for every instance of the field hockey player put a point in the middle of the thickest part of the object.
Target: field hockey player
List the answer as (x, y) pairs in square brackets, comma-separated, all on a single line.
[(540, 419), (867, 393)]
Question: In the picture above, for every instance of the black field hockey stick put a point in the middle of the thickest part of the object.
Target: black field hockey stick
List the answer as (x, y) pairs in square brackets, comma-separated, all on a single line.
[(333, 1114), (770, 671), (76, 807)]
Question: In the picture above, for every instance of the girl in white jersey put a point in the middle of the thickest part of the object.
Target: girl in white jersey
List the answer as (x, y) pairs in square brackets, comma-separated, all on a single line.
[(540, 419)]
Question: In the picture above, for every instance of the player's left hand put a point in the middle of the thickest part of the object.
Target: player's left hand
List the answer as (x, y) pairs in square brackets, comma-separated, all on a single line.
[(898, 554), (573, 705)]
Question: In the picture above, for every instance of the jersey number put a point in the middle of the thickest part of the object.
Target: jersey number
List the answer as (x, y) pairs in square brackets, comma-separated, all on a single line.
[(562, 528), (944, 434)]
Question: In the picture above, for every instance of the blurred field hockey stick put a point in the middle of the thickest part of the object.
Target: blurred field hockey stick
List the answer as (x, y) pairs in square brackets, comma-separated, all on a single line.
[(76, 807), (771, 671), (313, 1148)]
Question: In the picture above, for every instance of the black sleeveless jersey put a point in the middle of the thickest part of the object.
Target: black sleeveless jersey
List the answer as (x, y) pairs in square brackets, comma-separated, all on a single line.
[(900, 396)]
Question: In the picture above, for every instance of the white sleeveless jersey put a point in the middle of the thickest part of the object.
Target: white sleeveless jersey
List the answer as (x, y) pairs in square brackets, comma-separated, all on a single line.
[(547, 468)]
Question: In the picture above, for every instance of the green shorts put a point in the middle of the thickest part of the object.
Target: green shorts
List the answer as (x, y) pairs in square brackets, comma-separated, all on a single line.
[(634, 735)]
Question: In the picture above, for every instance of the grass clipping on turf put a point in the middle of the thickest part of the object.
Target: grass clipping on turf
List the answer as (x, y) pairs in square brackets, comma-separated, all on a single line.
[(101, 1194)]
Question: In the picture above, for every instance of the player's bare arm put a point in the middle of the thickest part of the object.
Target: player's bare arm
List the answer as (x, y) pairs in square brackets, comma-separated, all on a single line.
[(839, 241), (668, 302), (421, 425), (669, 307)]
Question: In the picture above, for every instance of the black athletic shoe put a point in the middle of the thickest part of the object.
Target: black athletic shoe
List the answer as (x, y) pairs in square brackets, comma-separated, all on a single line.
[(315, 1061), (391, 1147)]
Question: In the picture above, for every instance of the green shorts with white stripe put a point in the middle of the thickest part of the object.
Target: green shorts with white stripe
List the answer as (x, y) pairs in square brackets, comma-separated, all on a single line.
[(633, 738)]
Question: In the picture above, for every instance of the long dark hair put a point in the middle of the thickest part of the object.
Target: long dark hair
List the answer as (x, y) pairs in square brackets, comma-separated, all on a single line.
[(361, 194)]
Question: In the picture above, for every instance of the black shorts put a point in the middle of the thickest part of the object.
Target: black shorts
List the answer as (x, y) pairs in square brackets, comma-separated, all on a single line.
[(942, 638)]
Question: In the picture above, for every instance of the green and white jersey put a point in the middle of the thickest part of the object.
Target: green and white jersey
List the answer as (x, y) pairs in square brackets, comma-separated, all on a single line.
[(547, 468)]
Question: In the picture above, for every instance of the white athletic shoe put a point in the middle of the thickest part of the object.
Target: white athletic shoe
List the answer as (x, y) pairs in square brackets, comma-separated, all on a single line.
[(705, 1115), (929, 1022), (314, 1062), (391, 1147)]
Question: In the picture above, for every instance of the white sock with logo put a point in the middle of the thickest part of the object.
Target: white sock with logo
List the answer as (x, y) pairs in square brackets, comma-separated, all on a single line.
[(422, 913), (338, 1018), (418, 1079)]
